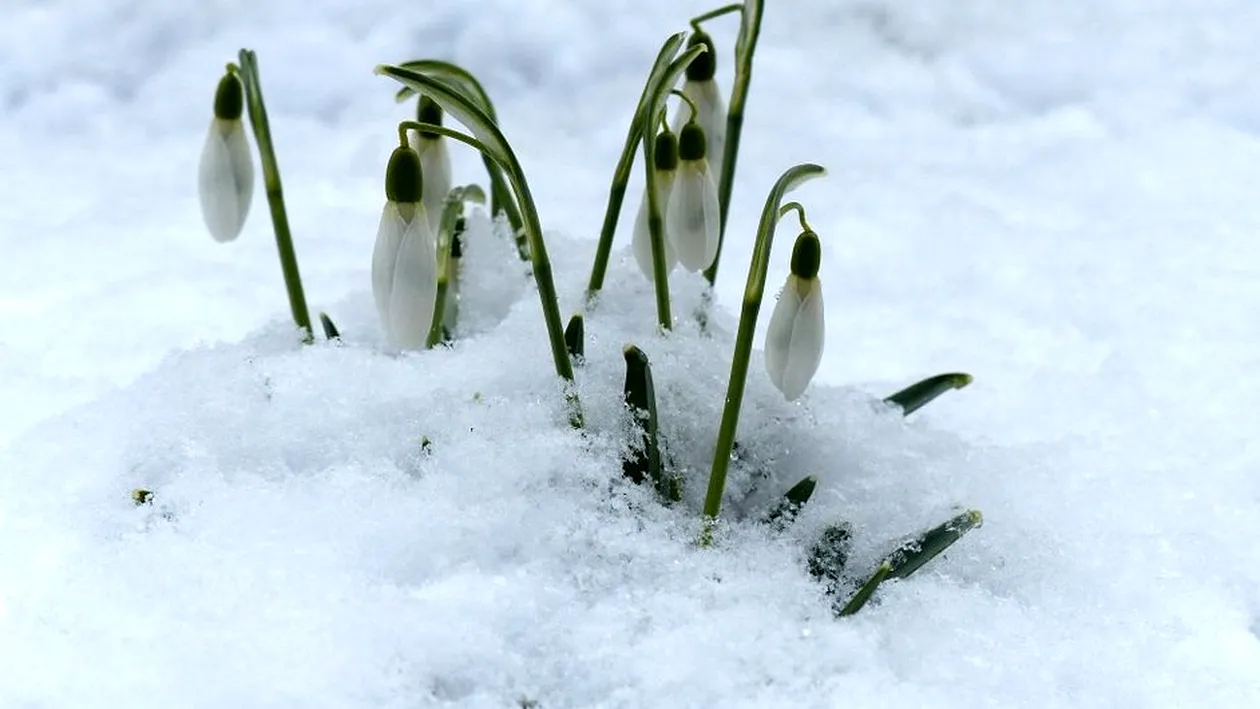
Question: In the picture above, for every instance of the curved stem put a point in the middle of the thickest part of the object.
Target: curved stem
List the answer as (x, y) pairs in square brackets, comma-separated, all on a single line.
[(753, 292), (725, 9), (691, 105), (500, 194), (656, 224), (491, 142), (800, 214), (275, 193), (621, 174), (749, 31)]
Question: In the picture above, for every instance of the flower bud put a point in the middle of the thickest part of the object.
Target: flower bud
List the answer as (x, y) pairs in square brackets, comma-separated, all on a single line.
[(404, 259), (692, 217), (226, 173), (794, 338)]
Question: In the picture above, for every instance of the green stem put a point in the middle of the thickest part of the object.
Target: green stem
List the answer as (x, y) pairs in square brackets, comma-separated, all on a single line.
[(750, 30), (621, 174), (725, 9), (490, 141), (452, 207), (692, 110), (275, 194), (800, 214), (753, 292), (656, 224), (866, 591)]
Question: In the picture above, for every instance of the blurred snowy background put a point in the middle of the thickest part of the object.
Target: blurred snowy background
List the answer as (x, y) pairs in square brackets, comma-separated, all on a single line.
[(1059, 198)]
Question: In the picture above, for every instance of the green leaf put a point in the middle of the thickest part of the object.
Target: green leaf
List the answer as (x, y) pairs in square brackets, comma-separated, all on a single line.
[(912, 555), (916, 396), (493, 144), (644, 461), (330, 330), (785, 512), (865, 592), (574, 338), (462, 81)]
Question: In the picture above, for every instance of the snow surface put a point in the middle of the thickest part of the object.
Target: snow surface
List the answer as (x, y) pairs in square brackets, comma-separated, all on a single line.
[(1058, 198)]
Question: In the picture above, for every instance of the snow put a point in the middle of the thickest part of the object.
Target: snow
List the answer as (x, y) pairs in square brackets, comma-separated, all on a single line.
[(1057, 198)]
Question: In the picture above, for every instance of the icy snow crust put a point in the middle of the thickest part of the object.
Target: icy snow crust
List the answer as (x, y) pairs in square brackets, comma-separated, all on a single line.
[(1058, 198)]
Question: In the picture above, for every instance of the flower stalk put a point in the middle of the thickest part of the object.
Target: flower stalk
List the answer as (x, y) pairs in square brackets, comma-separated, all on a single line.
[(753, 293), (745, 46), (665, 71), (275, 193), (463, 81), (490, 142), (656, 210)]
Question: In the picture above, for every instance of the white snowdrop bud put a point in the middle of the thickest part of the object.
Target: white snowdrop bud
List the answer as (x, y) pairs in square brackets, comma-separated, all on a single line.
[(226, 174), (794, 339), (404, 260), (435, 159), (701, 87), (692, 219), (666, 159)]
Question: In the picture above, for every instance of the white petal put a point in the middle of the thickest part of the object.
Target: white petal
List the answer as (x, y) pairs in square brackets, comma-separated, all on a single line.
[(435, 164), (794, 338), (225, 179), (414, 290), (642, 241), (692, 220), (385, 254), (711, 115)]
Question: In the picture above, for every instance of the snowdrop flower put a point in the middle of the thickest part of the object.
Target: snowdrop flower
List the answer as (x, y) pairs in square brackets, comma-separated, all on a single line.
[(794, 340), (692, 220), (226, 175), (703, 89), (435, 159), (404, 260), (666, 159)]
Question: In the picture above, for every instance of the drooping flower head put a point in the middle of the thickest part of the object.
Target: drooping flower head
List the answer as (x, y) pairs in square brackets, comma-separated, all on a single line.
[(692, 219), (226, 173), (404, 259), (700, 85), (797, 330)]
